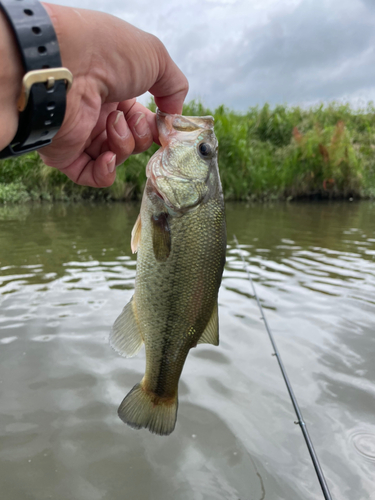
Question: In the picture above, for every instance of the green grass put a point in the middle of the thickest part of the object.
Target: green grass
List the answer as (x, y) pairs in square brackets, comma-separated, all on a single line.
[(266, 153)]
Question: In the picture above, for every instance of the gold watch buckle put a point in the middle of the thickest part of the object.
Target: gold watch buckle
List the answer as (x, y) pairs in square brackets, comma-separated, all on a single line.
[(48, 76)]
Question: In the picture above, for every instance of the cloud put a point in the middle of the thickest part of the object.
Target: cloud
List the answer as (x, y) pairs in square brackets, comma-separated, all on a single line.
[(315, 52), (241, 53)]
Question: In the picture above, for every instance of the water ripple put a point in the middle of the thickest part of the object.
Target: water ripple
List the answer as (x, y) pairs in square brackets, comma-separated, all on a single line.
[(65, 274)]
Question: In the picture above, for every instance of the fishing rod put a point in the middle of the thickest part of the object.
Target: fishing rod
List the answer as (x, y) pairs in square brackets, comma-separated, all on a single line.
[(301, 422)]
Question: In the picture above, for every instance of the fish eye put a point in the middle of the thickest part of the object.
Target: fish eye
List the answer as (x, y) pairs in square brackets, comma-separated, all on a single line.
[(205, 149)]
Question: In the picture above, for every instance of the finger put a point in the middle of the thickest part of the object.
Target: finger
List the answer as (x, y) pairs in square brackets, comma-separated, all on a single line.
[(87, 134), (95, 173), (96, 146), (171, 86), (141, 130), (105, 148), (120, 139), (142, 124), (172, 104), (105, 110), (98, 135)]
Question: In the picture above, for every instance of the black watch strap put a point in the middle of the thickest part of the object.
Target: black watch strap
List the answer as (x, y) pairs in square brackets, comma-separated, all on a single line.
[(43, 101)]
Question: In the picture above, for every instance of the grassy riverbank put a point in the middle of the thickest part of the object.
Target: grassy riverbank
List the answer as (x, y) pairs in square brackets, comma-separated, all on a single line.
[(266, 153)]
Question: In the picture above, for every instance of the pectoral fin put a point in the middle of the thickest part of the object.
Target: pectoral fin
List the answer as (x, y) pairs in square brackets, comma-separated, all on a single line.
[(211, 333), (136, 234), (161, 236), (125, 337)]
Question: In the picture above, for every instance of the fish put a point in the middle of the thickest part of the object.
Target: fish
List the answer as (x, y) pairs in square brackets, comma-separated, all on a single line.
[(180, 240)]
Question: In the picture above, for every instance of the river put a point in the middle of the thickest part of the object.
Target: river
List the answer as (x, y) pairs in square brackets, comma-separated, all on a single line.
[(66, 273)]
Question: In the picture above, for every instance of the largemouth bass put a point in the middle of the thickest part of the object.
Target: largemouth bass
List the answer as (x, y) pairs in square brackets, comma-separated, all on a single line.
[(180, 238)]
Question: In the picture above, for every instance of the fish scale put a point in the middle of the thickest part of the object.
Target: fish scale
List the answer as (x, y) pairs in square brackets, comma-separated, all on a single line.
[(186, 294)]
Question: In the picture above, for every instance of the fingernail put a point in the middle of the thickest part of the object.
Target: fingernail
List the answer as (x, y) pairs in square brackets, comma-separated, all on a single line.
[(141, 126), (120, 125), (111, 165)]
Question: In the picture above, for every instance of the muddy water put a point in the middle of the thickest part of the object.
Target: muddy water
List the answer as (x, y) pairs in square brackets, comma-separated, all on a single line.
[(67, 271)]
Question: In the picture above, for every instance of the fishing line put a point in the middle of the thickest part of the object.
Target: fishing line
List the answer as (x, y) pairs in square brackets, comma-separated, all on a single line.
[(301, 422)]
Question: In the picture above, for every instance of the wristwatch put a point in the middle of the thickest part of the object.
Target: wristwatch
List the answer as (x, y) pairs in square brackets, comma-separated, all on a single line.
[(45, 84)]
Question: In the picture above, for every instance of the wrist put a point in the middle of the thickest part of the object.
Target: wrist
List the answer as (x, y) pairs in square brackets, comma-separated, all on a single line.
[(11, 72)]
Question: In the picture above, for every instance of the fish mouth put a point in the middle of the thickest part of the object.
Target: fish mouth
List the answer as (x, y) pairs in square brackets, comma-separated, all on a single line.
[(174, 131), (171, 125)]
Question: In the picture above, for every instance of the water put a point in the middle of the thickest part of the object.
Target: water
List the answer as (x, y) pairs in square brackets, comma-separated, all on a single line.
[(66, 273)]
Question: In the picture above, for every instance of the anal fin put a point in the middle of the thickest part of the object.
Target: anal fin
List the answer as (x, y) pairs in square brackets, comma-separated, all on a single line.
[(211, 333), (125, 337)]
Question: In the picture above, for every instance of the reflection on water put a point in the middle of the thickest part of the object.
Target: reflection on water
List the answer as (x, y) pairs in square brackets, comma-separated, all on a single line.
[(66, 273)]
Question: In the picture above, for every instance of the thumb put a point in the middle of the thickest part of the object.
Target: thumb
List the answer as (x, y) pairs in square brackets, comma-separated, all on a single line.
[(171, 87)]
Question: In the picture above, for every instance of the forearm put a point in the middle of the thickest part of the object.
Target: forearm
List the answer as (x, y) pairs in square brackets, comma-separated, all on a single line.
[(10, 82)]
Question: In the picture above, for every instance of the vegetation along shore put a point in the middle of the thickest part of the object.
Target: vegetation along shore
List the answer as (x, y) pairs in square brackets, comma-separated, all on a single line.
[(265, 154)]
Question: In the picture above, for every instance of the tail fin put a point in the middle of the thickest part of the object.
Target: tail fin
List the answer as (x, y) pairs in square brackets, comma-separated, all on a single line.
[(143, 409)]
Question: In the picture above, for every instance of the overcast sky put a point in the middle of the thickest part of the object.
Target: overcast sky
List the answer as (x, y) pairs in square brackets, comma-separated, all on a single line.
[(247, 52)]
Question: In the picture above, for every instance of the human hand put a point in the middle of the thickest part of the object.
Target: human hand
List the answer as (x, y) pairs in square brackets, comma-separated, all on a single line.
[(112, 62)]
